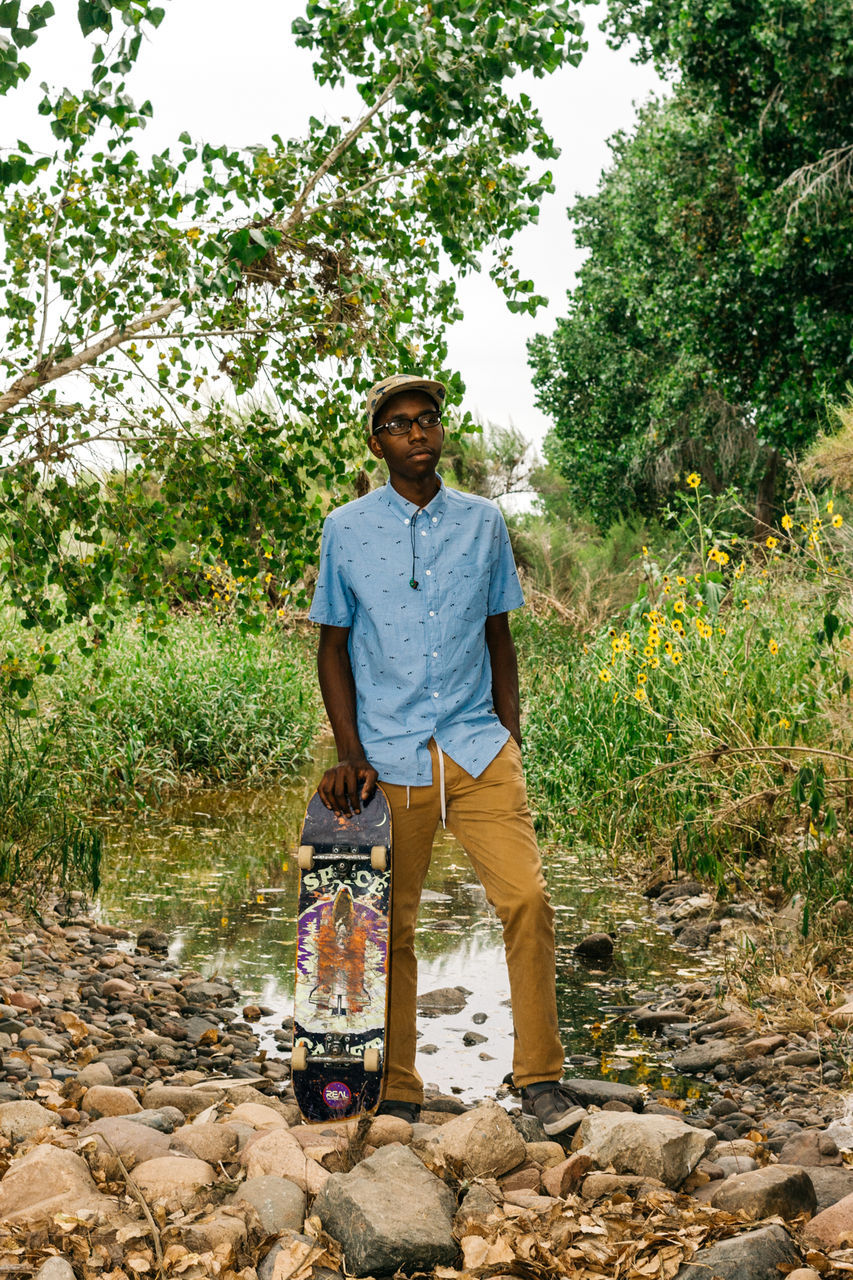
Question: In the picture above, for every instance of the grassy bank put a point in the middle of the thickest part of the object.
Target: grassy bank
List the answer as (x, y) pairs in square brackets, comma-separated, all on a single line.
[(198, 704), (709, 725)]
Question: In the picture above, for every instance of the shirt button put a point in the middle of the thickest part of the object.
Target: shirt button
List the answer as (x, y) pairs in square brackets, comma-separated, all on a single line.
[(407, 521), (435, 653), (432, 613), (429, 573), (435, 695), (435, 519)]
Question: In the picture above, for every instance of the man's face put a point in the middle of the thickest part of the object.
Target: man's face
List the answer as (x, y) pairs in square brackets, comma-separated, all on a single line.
[(411, 456)]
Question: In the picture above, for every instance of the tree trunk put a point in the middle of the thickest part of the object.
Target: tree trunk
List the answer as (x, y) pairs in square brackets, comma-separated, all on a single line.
[(765, 501)]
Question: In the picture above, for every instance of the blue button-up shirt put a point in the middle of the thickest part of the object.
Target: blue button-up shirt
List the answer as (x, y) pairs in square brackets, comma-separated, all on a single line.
[(419, 656)]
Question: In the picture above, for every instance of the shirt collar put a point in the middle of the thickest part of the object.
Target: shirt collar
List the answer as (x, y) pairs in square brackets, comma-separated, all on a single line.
[(405, 510)]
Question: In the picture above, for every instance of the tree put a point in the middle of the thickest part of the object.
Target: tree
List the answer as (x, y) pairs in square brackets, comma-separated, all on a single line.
[(147, 298), (713, 316)]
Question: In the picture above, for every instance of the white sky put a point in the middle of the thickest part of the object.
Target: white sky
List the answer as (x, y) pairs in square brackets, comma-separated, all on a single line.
[(238, 82)]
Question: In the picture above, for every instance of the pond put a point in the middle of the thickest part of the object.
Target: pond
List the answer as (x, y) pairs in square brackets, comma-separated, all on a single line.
[(216, 870)]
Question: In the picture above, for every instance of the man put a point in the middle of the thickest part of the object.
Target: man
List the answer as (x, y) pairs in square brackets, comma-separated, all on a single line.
[(418, 673)]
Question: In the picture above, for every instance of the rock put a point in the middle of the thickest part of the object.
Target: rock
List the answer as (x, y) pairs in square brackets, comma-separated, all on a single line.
[(545, 1154), (24, 1119), (483, 1142), (163, 1119), (653, 1146), (596, 946), (529, 1200), (387, 1129), (279, 1203), (214, 1143), (842, 1016), (133, 1142), (803, 1273), (831, 1184), (55, 1269), (49, 1180), (94, 1073), (152, 940), (762, 1046), (277, 1151), (600, 1186), (646, 1019), (478, 1204), (564, 1178), (188, 1101), (257, 1115), (293, 1248), (526, 1177), (223, 1232), (729, 1165), (109, 1100), (705, 1057), (443, 1000), (389, 1214), (599, 1092), (754, 1255), (472, 1038), (175, 1179), (833, 1228), (810, 1148), (779, 1190)]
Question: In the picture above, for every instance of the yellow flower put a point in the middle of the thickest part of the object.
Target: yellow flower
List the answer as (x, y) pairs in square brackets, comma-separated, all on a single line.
[(773, 647), (193, 233), (787, 522), (645, 551), (682, 582), (639, 693), (605, 675), (694, 480), (669, 737), (667, 648), (837, 522), (784, 723), (678, 626), (745, 604), (676, 656), (772, 542), (654, 661), (648, 651), (739, 571), (616, 697), (642, 677), (678, 606), (829, 506)]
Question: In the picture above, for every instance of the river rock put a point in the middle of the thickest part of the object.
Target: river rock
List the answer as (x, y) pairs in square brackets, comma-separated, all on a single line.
[(94, 1073), (831, 1184), (833, 1228), (385, 1130), (188, 1101), (762, 1046), (754, 1255), (600, 1186), (133, 1142), (279, 1203), (546, 1154), (163, 1119), (596, 946), (483, 1142), (222, 1232), (24, 1119), (810, 1148), (731, 1165), (598, 1093), (564, 1178), (277, 1151), (257, 1115), (698, 1058), (432, 1004), (779, 1190), (175, 1179), (109, 1100), (152, 939), (653, 1146), (49, 1180), (215, 1143), (389, 1214)]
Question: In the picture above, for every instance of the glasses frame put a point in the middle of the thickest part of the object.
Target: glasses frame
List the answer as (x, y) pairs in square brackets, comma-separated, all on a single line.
[(424, 426)]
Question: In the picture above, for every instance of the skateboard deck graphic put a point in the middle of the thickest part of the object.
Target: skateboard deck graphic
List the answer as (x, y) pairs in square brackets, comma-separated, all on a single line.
[(342, 936)]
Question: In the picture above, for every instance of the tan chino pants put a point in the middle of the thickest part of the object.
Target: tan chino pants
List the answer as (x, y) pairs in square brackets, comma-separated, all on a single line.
[(490, 819)]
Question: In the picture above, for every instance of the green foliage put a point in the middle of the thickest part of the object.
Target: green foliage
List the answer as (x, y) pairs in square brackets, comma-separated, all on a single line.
[(493, 461), (710, 723), (146, 298), (712, 317)]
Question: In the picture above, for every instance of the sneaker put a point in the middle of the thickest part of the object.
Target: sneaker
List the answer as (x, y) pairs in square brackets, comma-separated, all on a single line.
[(556, 1108), (402, 1110)]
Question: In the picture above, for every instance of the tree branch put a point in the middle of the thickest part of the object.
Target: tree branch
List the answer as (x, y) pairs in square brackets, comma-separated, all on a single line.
[(50, 239), (24, 386), (297, 213)]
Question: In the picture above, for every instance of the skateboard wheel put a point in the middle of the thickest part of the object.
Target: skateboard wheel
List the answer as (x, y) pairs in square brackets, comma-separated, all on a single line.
[(371, 1056), (305, 857), (299, 1058), (379, 857)]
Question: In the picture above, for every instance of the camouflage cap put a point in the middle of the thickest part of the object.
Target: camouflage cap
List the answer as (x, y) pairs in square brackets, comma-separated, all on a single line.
[(393, 385)]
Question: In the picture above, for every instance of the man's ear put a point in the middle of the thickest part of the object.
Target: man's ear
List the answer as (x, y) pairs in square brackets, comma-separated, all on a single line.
[(375, 447)]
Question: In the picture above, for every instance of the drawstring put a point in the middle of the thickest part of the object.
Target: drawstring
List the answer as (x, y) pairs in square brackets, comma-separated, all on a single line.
[(408, 796), (442, 797)]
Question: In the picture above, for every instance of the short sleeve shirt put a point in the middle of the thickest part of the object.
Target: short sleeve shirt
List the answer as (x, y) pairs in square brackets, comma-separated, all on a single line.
[(419, 655)]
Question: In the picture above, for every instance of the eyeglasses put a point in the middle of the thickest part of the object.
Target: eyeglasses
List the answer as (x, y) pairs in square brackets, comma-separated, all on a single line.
[(402, 426)]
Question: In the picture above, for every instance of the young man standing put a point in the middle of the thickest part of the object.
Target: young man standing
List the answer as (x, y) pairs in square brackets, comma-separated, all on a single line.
[(419, 677)]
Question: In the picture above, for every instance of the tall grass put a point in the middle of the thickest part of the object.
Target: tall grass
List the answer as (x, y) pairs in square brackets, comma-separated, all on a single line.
[(710, 723)]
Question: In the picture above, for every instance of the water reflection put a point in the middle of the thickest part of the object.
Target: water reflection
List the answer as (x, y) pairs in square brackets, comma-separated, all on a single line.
[(216, 870)]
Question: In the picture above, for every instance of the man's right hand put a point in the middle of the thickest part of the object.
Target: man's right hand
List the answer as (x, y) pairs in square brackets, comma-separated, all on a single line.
[(348, 785)]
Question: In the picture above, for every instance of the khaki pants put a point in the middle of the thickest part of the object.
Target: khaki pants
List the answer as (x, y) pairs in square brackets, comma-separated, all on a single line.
[(490, 819)]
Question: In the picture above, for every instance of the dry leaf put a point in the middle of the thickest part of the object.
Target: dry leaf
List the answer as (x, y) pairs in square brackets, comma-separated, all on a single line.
[(477, 1252)]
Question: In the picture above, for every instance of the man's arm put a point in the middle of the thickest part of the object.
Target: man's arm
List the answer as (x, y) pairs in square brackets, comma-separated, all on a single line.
[(352, 781), (504, 662)]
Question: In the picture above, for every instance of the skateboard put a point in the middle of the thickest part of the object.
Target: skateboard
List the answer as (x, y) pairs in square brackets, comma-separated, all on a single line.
[(342, 951)]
